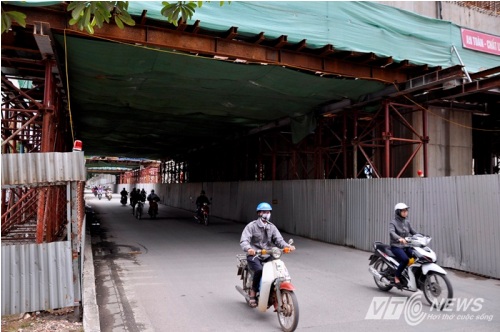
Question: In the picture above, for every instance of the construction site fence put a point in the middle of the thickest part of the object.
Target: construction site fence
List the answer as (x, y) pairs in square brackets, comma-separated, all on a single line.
[(459, 213)]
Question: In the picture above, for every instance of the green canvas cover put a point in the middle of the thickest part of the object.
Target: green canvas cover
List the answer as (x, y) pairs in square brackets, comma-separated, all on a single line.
[(133, 101), (124, 93), (359, 26)]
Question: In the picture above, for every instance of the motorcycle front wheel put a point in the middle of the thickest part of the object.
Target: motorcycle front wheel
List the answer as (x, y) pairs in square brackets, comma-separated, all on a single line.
[(288, 315), (437, 290), (383, 269), (205, 219)]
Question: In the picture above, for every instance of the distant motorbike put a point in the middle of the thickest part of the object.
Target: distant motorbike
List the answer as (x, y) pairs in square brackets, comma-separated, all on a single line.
[(139, 209), (203, 214), (99, 195), (153, 208), (276, 289), (123, 200), (421, 273), (109, 196)]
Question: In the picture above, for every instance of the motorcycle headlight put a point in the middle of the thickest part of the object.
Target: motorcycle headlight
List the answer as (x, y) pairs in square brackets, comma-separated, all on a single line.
[(276, 253)]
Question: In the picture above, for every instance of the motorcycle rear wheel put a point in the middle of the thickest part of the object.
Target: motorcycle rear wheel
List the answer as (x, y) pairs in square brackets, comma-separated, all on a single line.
[(437, 290), (382, 268), (288, 315)]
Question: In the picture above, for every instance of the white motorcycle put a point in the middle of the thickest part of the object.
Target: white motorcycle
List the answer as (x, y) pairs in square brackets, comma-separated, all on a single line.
[(421, 273), (276, 289)]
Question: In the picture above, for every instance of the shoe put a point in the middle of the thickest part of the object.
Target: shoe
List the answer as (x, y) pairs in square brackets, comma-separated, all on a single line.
[(397, 283), (252, 302), (253, 299)]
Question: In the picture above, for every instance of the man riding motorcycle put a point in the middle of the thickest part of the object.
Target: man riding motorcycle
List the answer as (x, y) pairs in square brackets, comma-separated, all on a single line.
[(202, 199), (257, 235), (153, 200)]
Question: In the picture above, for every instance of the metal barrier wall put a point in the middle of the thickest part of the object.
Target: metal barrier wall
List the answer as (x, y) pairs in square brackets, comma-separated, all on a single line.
[(460, 213), (42, 193)]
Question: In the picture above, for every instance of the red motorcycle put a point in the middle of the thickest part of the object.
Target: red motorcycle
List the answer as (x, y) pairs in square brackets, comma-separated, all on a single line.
[(203, 213)]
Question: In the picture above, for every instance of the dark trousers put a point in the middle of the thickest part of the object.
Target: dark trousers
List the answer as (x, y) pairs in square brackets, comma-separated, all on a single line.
[(402, 257), (255, 264)]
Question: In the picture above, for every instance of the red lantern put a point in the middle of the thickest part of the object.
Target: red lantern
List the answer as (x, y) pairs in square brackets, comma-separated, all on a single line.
[(420, 173)]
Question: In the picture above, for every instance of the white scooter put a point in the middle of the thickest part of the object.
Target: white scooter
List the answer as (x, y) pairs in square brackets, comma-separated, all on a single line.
[(421, 273), (276, 289)]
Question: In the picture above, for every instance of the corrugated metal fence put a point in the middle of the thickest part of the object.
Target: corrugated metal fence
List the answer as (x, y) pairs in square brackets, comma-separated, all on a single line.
[(36, 277), (460, 213), (42, 276)]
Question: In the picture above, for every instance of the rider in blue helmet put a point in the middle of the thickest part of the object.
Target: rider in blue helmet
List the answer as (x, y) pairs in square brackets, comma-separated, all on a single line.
[(257, 235)]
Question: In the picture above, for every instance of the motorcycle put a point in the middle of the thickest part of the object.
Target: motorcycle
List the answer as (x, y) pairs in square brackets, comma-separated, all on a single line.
[(276, 289), (123, 200), (202, 214), (421, 273), (153, 208), (99, 195), (139, 209), (109, 196)]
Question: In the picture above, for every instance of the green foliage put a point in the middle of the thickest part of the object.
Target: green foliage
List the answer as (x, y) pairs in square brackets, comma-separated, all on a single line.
[(88, 14), (12, 16), (181, 10), (184, 9)]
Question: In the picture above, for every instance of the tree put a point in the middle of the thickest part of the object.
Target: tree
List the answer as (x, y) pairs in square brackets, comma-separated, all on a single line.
[(12, 16), (88, 14)]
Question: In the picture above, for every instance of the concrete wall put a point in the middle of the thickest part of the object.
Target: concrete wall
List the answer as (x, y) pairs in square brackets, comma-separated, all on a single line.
[(450, 142), (450, 11)]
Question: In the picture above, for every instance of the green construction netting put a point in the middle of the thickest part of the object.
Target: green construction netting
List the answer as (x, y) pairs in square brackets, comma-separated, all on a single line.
[(133, 101), (347, 25), (147, 102)]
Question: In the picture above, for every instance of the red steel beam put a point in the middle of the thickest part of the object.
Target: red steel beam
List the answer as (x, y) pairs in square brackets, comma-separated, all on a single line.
[(211, 46)]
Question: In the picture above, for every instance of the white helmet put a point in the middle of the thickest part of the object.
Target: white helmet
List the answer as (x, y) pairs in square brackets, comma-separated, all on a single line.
[(401, 206)]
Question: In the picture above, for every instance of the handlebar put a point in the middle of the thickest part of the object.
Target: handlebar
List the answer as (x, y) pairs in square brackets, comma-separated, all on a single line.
[(418, 241), (275, 251)]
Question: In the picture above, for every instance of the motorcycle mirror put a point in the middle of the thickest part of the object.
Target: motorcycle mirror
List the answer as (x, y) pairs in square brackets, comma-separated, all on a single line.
[(290, 242)]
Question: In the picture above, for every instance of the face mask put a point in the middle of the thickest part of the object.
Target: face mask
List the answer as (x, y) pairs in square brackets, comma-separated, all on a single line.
[(266, 216)]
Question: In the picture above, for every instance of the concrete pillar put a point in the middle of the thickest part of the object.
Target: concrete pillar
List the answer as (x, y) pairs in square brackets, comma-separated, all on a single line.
[(450, 142)]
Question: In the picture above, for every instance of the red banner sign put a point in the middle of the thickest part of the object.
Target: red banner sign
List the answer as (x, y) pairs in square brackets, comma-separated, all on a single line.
[(480, 42)]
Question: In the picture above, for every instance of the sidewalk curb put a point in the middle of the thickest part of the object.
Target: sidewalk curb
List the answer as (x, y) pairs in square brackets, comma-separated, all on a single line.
[(90, 319)]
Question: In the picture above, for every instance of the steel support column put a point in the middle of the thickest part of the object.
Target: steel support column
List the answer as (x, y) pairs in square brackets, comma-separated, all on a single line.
[(387, 134)]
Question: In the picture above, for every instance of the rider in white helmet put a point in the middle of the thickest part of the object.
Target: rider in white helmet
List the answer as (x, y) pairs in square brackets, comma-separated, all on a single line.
[(399, 228)]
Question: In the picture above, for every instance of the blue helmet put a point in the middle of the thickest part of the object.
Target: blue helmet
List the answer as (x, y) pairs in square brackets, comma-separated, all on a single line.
[(264, 207)]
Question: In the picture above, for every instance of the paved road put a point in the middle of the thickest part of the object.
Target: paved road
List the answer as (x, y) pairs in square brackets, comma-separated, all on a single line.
[(172, 274)]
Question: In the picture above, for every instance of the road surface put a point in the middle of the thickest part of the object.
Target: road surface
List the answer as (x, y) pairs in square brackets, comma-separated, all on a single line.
[(172, 274)]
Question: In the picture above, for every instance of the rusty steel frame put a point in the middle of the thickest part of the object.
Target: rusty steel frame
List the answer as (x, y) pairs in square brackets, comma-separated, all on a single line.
[(44, 204), (188, 39), (31, 125), (336, 151), (150, 174)]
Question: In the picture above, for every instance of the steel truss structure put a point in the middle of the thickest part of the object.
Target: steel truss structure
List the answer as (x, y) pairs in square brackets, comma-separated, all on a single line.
[(34, 119), (348, 136)]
